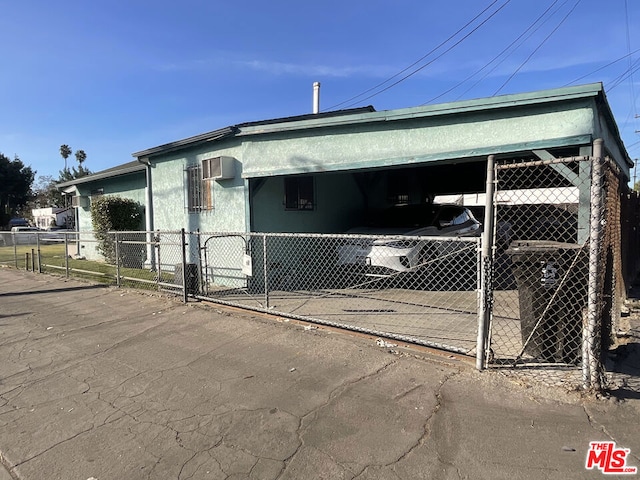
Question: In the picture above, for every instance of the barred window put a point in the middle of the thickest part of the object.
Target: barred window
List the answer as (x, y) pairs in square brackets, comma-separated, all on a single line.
[(398, 187), (298, 193), (199, 190)]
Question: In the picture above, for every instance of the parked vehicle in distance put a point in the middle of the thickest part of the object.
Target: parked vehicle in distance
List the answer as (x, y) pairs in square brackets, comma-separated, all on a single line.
[(24, 235), (56, 235), (384, 257)]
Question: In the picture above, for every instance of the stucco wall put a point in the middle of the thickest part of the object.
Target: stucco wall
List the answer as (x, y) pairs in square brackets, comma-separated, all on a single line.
[(333, 147), (338, 201), (130, 186), (170, 190), (413, 141)]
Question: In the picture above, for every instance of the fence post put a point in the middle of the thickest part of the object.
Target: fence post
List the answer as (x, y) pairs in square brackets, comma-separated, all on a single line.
[(200, 276), (590, 357), (265, 272), (117, 242), (184, 266), (486, 284), (39, 253), (66, 255), (156, 239)]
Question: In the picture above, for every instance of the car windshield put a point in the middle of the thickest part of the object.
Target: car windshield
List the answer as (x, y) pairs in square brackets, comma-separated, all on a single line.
[(451, 215), (419, 216)]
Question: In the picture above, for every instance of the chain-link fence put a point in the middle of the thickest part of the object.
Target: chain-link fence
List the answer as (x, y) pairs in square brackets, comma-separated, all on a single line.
[(563, 250), (412, 288), (557, 276), (418, 289)]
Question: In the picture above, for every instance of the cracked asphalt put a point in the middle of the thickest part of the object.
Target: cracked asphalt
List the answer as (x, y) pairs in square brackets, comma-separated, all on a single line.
[(101, 383)]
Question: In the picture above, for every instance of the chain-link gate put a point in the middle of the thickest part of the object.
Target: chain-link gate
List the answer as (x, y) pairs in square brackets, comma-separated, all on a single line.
[(556, 265), (417, 289)]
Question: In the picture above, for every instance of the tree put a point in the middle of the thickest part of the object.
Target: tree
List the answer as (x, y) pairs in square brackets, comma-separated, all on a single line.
[(65, 151), (45, 193), (15, 187), (110, 214), (80, 157), (73, 173)]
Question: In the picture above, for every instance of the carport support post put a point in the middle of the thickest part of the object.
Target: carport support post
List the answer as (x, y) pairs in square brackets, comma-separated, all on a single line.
[(486, 269)]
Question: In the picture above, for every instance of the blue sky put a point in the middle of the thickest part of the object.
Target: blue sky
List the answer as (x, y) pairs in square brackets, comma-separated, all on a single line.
[(116, 77)]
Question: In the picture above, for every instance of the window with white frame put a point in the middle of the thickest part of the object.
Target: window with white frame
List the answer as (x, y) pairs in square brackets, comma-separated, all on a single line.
[(199, 190), (298, 193)]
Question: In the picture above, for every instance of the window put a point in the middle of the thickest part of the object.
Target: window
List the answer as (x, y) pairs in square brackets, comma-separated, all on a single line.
[(199, 194), (298, 193), (398, 187)]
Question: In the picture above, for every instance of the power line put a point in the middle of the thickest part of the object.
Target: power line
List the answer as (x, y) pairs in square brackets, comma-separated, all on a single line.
[(451, 37), (506, 49), (537, 48), (624, 75), (633, 92), (601, 68)]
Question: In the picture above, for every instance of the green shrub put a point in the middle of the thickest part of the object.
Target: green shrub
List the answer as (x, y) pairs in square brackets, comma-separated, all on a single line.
[(110, 214)]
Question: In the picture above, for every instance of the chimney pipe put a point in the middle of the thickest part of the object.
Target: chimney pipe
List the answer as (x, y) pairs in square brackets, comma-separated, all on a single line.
[(316, 97)]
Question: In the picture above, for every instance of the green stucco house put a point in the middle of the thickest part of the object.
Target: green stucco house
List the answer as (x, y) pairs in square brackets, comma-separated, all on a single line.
[(127, 181), (320, 173)]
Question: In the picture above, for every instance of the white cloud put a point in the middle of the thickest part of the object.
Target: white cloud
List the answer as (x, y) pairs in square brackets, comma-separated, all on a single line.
[(278, 68)]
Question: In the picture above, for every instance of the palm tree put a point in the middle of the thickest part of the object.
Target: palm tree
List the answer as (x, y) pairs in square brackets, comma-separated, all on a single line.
[(65, 151), (80, 157)]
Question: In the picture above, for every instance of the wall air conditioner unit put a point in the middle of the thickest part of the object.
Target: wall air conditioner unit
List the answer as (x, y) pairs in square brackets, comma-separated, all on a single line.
[(218, 168), (79, 201)]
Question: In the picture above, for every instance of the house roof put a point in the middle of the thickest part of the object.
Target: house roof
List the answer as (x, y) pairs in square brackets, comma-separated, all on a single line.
[(236, 129), (124, 169), (370, 115)]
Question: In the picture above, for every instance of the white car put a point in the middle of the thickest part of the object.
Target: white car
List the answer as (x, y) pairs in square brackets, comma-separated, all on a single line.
[(24, 235), (56, 235), (399, 252)]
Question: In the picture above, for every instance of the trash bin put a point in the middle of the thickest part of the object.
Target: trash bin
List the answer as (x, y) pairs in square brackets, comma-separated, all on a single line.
[(192, 277), (550, 304)]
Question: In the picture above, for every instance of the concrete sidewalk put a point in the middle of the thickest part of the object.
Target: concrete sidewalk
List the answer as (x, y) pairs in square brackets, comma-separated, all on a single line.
[(102, 383)]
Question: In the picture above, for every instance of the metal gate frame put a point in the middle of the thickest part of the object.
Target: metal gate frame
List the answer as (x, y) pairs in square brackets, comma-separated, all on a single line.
[(603, 209)]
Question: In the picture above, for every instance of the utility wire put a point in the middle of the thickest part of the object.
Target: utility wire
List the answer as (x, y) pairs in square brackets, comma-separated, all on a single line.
[(602, 68), (537, 48), (631, 82), (433, 50), (439, 56), (495, 58), (624, 75)]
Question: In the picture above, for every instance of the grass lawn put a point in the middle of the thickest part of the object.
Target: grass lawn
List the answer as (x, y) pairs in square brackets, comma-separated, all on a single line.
[(52, 259)]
